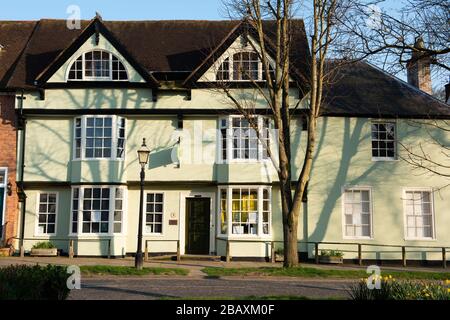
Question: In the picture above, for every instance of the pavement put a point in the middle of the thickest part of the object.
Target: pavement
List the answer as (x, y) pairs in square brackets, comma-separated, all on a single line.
[(196, 283)]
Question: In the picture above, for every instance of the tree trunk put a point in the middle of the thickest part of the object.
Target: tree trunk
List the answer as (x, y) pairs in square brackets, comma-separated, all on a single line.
[(290, 240)]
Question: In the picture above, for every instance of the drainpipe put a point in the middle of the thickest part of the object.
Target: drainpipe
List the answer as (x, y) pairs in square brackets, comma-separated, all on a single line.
[(20, 184)]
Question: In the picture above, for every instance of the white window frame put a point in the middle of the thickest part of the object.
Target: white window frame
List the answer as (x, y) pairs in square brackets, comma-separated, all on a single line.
[(112, 199), (433, 215), (83, 70), (144, 206), (371, 214), (230, 234), (114, 138), (229, 140), (395, 157), (5, 191), (231, 66), (38, 202)]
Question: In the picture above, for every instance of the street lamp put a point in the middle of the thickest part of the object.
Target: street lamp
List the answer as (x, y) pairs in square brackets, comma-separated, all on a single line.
[(143, 157)]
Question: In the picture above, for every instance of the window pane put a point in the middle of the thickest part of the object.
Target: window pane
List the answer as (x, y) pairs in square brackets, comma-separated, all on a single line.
[(383, 140), (357, 213), (419, 215), (154, 213)]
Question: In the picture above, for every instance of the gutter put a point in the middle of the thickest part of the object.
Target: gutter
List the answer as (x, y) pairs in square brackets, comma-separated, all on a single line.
[(20, 183)]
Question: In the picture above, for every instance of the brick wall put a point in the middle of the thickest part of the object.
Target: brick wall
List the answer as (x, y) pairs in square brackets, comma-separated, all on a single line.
[(8, 144)]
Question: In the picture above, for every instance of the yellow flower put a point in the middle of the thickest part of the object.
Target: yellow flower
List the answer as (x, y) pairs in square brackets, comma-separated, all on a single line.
[(390, 277)]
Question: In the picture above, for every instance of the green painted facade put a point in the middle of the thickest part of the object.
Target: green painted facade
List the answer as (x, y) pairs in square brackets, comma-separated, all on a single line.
[(187, 167)]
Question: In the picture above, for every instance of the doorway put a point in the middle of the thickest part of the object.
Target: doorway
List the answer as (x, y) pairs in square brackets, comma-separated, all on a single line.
[(198, 211)]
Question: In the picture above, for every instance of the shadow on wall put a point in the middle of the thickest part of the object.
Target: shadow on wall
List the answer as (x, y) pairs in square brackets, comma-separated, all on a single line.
[(353, 138)]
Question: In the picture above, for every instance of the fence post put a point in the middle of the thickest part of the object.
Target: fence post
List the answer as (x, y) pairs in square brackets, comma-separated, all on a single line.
[(228, 258), (146, 251), (360, 254), (444, 258), (178, 251), (109, 248), (22, 251), (71, 249), (272, 252), (404, 256), (316, 250)]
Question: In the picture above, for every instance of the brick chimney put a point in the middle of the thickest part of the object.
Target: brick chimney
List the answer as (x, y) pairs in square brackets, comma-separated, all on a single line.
[(418, 69)]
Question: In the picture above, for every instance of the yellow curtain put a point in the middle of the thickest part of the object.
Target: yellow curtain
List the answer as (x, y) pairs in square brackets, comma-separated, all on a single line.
[(249, 202)]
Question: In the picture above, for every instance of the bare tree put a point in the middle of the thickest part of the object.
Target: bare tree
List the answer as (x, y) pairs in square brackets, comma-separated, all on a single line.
[(275, 53), (390, 38), (419, 154)]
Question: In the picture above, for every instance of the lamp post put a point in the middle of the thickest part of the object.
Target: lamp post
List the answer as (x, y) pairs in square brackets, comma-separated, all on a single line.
[(143, 156)]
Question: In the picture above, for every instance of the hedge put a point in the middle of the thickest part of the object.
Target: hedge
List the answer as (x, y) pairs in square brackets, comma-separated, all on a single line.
[(22, 282)]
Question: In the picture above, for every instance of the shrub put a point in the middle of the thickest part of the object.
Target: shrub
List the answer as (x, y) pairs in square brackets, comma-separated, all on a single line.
[(331, 253), (44, 245), (392, 289), (22, 282)]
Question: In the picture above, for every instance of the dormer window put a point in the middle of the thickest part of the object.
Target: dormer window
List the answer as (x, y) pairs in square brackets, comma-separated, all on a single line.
[(241, 66), (98, 65)]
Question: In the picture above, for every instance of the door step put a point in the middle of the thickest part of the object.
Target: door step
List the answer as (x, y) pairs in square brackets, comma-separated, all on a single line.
[(195, 257)]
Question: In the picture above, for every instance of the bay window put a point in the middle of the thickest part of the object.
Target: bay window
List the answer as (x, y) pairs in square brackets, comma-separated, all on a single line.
[(246, 209), (97, 210), (239, 140), (99, 137)]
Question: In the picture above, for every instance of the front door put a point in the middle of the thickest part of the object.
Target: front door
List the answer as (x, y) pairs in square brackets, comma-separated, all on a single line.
[(198, 211)]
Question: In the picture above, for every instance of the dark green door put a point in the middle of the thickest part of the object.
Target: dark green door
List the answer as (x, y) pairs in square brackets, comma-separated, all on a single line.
[(197, 225)]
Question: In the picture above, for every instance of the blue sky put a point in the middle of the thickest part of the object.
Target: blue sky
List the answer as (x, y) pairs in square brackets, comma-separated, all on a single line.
[(113, 9)]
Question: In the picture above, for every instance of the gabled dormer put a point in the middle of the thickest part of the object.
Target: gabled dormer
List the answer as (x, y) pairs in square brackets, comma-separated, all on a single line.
[(236, 60), (95, 58)]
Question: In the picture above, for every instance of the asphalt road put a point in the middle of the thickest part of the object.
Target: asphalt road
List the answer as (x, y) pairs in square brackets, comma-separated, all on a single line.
[(160, 288)]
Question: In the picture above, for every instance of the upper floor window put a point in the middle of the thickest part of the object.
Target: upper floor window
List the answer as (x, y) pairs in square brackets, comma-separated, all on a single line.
[(98, 65), (383, 141), (241, 66), (240, 141), (99, 137)]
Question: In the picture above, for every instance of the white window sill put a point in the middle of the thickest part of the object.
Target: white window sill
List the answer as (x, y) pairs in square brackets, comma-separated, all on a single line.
[(358, 238), (385, 159), (421, 239), (98, 159)]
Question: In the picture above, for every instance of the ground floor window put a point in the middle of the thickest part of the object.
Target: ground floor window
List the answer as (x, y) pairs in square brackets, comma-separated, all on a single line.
[(418, 206), (154, 212), (357, 213), (246, 209), (97, 210), (47, 210)]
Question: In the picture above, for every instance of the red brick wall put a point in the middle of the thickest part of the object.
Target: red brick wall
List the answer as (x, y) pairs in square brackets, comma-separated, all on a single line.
[(8, 159)]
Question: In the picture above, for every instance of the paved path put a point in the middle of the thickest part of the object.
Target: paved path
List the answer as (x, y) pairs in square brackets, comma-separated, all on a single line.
[(179, 287)]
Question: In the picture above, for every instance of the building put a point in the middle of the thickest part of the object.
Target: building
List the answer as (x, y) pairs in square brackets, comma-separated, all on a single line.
[(91, 95), (13, 38)]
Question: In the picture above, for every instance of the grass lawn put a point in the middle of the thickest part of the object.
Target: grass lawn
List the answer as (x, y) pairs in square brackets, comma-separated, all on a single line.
[(307, 272), (131, 271)]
